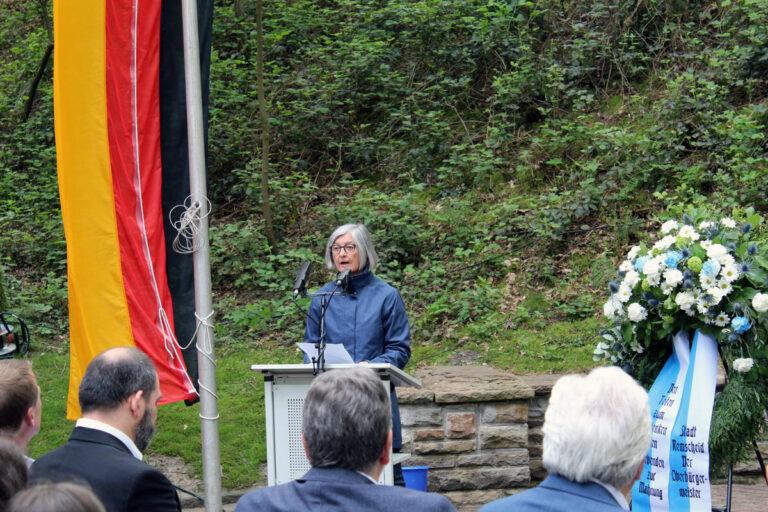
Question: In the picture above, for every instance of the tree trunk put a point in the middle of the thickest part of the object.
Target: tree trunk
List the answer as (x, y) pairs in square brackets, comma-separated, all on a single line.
[(265, 206), (4, 305)]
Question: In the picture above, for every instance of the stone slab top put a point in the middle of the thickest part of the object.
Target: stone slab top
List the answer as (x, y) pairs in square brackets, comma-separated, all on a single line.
[(465, 384)]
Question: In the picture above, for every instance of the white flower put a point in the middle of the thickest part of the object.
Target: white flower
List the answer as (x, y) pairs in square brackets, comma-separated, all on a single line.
[(636, 312), (685, 300), (666, 288), (705, 244), (726, 260), (633, 252), (626, 266), (722, 320), (624, 293), (669, 226), (707, 281), (636, 347), (725, 286), (714, 296), (654, 279), (631, 278), (728, 222), (689, 233), (706, 225), (702, 307), (743, 364), (612, 309), (760, 302), (652, 266), (730, 273), (673, 277), (665, 243), (716, 251)]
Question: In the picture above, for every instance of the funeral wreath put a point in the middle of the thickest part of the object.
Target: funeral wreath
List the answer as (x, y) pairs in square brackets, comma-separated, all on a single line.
[(704, 274)]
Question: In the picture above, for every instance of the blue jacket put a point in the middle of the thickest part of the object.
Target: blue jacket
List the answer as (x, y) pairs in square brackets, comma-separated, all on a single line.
[(337, 489), (558, 494), (371, 323)]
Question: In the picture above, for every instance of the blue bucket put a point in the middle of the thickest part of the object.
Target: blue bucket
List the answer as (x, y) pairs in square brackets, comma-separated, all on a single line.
[(416, 477)]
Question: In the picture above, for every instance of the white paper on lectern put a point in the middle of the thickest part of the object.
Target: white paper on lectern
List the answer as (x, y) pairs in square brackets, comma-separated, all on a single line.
[(335, 353)]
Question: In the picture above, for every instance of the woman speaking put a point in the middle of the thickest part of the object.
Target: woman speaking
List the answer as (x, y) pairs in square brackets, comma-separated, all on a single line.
[(370, 321)]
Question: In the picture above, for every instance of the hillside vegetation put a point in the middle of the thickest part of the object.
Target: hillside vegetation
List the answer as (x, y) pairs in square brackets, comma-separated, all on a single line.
[(503, 153)]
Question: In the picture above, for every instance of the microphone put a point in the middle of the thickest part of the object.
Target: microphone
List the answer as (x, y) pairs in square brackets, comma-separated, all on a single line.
[(342, 280), (302, 278)]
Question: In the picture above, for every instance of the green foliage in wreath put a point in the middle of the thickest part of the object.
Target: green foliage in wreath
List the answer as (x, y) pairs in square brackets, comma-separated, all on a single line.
[(705, 275)]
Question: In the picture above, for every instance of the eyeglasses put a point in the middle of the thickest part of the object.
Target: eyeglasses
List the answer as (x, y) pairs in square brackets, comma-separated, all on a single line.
[(348, 249)]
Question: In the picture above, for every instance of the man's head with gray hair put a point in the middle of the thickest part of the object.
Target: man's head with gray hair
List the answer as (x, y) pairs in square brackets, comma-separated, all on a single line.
[(347, 419), (362, 238), (597, 427)]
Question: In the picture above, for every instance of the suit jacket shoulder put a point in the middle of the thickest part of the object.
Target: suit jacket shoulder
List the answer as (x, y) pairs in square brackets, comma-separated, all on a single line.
[(103, 462), (557, 494), (335, 489)]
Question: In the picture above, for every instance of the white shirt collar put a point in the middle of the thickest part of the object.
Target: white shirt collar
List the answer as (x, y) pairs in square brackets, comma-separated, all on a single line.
[(369, 477), (620, 499), (109, 429)]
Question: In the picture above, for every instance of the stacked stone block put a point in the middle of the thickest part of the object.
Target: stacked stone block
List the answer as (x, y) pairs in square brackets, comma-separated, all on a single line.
[(470, 425)]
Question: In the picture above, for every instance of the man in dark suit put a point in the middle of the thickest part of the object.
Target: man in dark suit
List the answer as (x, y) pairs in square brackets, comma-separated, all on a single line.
[(118, 398), (347, 433), (597, 431)]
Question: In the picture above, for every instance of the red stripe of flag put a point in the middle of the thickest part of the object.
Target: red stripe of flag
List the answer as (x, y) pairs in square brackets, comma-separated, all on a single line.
[(133, 119)]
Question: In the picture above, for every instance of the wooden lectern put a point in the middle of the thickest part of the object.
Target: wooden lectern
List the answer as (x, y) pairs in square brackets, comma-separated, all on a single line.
[(285, 386)]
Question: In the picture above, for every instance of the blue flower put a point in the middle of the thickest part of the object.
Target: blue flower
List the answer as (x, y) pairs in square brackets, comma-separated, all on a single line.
[(746, 228), (752, 249), (639, 262), (710, 268), (740, 324), (613, 286), (672, 258)]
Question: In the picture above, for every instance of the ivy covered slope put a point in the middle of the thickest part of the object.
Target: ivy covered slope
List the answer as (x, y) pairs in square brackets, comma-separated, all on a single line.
[(504, 154)]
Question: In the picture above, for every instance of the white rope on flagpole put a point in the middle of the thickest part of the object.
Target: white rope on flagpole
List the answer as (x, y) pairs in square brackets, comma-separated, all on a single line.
[(198, 227)]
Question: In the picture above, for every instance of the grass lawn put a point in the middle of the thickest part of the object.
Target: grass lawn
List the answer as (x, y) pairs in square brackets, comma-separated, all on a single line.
[(563, 346)]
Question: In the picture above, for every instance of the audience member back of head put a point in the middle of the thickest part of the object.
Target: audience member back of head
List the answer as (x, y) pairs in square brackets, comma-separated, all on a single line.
[(56, 497), (596, 434), (118, 395), (13, 472), (20, 406)]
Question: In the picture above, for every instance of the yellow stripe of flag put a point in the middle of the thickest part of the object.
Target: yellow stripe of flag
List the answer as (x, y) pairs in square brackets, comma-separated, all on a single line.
[(98, 310)]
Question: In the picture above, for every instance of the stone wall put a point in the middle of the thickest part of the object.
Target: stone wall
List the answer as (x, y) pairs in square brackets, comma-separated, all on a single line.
[(471, 426)]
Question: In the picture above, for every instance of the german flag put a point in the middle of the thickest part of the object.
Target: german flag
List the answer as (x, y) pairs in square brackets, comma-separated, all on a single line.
[(121, 145)]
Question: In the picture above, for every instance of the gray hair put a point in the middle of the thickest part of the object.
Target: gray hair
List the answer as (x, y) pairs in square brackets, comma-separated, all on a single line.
[(598, 427), (113, 376), (56, 497), (346, 417), (365, 251)]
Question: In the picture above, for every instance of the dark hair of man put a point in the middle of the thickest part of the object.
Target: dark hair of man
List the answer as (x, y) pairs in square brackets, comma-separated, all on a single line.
[(346, 419), (114, 376), (18, 392), (13, 471), (56, 497)]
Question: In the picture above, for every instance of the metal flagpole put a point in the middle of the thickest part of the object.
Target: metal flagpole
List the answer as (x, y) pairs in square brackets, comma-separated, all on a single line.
[(209, 415)]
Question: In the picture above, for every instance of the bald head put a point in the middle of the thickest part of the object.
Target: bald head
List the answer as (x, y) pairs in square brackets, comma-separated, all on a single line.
[(113, 376)]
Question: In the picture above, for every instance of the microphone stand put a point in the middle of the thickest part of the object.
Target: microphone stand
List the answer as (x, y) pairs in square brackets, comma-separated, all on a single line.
[(318, 363)]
